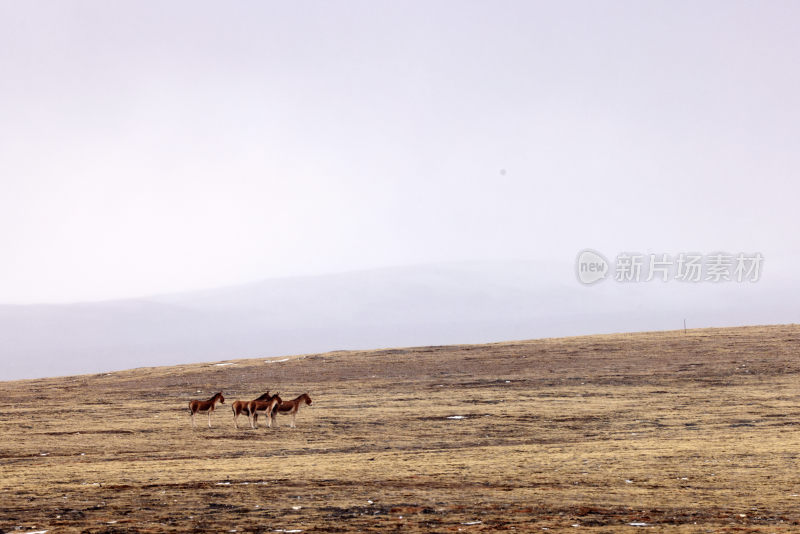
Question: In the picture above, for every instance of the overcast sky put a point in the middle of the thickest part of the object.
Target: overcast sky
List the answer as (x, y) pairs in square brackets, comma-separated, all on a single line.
[(148, 147)]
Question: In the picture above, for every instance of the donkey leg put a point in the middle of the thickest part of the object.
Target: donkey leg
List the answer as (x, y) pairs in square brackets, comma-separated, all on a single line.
[(209, 418)]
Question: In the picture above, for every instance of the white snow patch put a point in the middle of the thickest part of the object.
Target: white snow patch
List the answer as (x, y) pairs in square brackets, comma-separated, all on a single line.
[(456, 416), (627, 481), (34, 532), (292, 530), (222, 364), (638, 524), (472, 523), (223, 483), (296, 507), (276, 361)]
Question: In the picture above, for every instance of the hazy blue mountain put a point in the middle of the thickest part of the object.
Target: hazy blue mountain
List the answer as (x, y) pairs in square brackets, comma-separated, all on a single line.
[(467, 302)]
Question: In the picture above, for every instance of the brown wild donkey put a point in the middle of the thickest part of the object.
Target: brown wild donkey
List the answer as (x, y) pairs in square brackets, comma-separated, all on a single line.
[(290, 408), (240, 406), (206, 406), (267, 406)]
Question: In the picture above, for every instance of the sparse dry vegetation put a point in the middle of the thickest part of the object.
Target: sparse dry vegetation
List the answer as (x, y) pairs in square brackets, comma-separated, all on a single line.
[(692, 432)]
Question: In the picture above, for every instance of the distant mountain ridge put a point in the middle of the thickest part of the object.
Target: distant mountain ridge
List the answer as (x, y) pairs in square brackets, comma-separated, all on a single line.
[(468, 302)]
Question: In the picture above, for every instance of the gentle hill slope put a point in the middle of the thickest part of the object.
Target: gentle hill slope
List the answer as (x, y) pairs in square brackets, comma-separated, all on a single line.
[(676, 430)]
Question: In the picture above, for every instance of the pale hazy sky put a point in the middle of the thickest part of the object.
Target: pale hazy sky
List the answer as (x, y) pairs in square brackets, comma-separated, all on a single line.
[(160, 146)]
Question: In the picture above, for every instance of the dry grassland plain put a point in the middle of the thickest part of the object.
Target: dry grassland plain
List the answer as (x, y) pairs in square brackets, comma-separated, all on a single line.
[(672, 432)]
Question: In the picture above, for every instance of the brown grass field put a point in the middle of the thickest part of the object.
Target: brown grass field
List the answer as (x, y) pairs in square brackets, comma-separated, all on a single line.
[(666, 431)]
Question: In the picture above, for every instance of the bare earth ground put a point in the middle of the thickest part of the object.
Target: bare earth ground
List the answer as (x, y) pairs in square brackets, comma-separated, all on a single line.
[(675, 432)]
